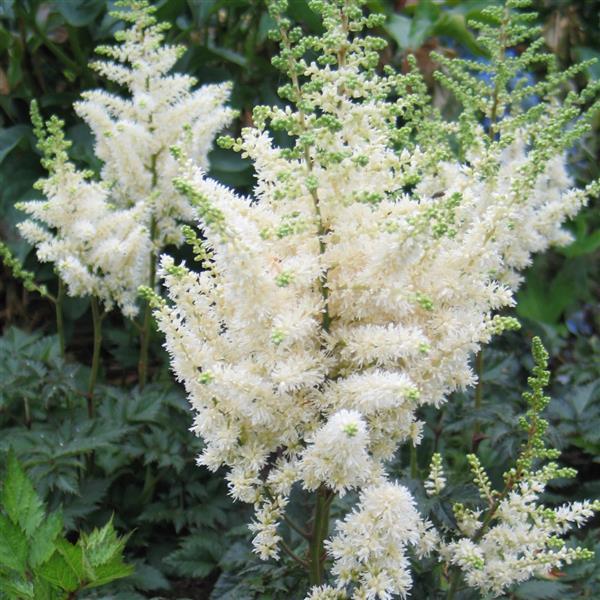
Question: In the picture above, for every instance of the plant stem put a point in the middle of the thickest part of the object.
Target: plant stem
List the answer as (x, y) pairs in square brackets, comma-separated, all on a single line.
[(27, 412), (60, 326), (478, 397), (414, 465), (146, 326), (97, 320), (145, 332), (454, 583), (320, 530), (292, 554)]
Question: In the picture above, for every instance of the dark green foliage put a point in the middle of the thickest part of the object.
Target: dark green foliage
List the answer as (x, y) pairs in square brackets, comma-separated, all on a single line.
[(136, 459), (246, 577), (36, 561)]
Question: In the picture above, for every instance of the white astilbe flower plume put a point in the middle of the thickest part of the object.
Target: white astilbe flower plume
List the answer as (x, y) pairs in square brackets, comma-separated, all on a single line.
[(350, 289), (97, 249), (160, 109), (103, 236), (517, 537), (370, 545), (524, 540), (337, 455)]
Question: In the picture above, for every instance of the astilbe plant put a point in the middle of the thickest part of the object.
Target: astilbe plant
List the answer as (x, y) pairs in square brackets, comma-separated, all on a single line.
[(356, 284), (103, 234), (515, 536)]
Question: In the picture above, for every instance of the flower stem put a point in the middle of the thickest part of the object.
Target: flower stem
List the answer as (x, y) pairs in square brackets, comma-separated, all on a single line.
[(414, 464), (147, 324), (320, 530), (454, 583), (97, 321), (60, 326), (478, 398)]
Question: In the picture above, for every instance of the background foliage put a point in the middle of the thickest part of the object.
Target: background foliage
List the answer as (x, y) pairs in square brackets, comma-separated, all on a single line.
[(136, 458)]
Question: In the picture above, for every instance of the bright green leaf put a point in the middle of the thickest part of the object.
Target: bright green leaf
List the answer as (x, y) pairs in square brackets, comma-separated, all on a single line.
[(18, 589), (43, 540), (20, 499), (13, 546), (58, 572)]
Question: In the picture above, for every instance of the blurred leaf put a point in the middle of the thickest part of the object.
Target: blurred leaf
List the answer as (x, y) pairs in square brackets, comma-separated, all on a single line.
[(229, 55), (19, 499), (586, 53), (13, 546), (399, 26), (543, 590), (80, 12), (198, 555), (545, 301), (585, 241), (454, 26), (10, 137)]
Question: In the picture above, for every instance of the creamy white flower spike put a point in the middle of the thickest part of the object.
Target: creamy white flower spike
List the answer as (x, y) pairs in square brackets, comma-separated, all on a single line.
[(97, 249), (370, 546), (352, 288), (160, 109), (103, 236), (337, 455), (516, 537)]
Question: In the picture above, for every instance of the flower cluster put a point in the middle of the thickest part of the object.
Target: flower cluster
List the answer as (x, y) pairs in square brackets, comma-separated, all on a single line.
[(370, 545), (356, 283), (517, 537), (102, 235), (134, 133), (97, 249), (436, 481), (525, 540)]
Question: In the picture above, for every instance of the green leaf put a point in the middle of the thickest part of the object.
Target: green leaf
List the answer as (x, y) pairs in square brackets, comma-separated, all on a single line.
[(20, 499), (103, 551), (585, 53), (421, 28), (80, 12), (398, 27), (454, 26), (10, 137), (545, 301), (101, 545), (584, 244), (18, 589), (75, 559), (43, 541), (198, 556), (43, 590), (115, 569), (542, 590), (65, 568), (147, 578), (229, 55), (13, 546)]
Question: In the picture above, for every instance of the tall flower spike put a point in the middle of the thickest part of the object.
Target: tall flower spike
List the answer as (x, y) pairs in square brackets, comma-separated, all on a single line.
[(348, 291), (161, 109), (103, 236), (97, 249), (517, 536)]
